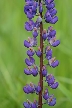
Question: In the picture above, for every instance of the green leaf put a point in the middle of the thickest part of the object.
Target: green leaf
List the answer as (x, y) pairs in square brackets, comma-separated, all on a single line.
[(66, 80), (65, 91), (8, 80)]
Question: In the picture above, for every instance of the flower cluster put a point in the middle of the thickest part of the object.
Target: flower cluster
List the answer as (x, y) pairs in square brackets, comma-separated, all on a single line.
[(51, 12), (29, 104), (31, 88), (51, 81), (50, 100), (30, 9)]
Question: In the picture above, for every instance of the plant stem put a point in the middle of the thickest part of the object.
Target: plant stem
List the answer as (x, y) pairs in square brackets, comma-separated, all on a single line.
[(41, 62)]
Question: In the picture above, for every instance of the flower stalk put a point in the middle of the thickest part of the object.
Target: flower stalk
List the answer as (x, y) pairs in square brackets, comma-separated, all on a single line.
[(41, 61), (30, 10)]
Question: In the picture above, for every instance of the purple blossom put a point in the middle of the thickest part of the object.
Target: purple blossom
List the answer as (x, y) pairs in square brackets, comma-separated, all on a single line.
[(48, 18), (29, 25), (54, 20), (38, 88), (51, 101), (44, 71), (40, 8), (55, 85), (48, 1), (27, 71), (32, 42), (30, 61), (38, 53), (30, 52), (52, 33), (30, 14), (34, 71), (53, 12), (27, 44), (50, 79), (48, 52), (31, 88), (44, 35), (53, 63), (50, 5), (26, 105), (35, 32), (25, 89), (46, 94), (34, 104)]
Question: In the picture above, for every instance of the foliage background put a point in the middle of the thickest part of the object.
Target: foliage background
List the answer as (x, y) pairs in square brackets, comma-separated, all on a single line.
[(13, 53)]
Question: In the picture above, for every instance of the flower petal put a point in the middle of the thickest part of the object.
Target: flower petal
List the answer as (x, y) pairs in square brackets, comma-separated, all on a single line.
[(56, 43), (54, 64)]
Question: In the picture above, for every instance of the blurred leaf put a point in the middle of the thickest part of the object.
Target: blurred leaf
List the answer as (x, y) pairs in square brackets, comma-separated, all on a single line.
[(4, 103), (8, 80), (64, 79), (65, 91)]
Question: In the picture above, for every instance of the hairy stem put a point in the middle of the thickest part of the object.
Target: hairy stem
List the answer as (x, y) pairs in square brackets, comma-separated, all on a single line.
[(41, 62)]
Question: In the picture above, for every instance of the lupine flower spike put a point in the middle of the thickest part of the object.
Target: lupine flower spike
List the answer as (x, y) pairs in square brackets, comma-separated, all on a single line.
[(34, 8)]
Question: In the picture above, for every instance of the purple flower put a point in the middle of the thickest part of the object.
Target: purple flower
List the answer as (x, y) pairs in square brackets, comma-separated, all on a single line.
[(38, 53), (52, 33), (56, 43), (30, 9), (31, 88), (50, 79), (48, 18), (48, 1), (32, 42), (51, 101), (29, 14), (27, 71), (26, 8), (53, 62), (30, 52), (34, 104), (26, 105), (30, 61), (29, 2), (27, 44), (34, 71), (37, 24), (44, 71), (38, 88), (50, 28), (40, 8), (55, 85), (48, 52), (25, 89), (53, 12), (44, 35), (46, 94), (50, 5), (29, 25), (35, 32), (54, 20)]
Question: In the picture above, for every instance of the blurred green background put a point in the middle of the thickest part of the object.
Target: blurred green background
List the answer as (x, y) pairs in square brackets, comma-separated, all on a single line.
[(13, 53)]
